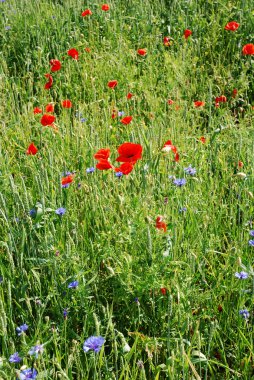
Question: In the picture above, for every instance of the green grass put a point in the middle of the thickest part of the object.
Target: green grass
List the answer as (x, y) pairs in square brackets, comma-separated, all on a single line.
[(107, 240)]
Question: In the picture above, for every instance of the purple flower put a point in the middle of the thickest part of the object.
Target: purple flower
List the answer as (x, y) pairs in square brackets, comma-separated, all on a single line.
[(93, 343), (83, 120), (60, 211), (32, 213), (28, 373), (21, 329), (73, 285), (242, 275), (119, 174), (251, 232), (183, 209), (36, 350), (180, 182), (251, 243), (90, 170), (244, 313), (15, 358), (7, 27), (65, 313), (120, 113), (190, 170)]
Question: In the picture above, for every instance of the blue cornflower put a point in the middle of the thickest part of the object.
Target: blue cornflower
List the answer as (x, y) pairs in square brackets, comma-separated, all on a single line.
[(28, 374), (36, 350), (65, 313), (251, 243), (90, 170), (190, 170), (120, 113), (60, 211), (242, 275), (15, 358), (21, 329), (180, 182), (83, 120), (119, 174), (183, 209), (73, 285), (93, 343), (32, 213), (245, 314), (251, 232), (7, 27), (136, 300)]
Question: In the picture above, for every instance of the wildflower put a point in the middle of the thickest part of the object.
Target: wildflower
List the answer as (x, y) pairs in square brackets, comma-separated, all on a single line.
[(180, 182), (136, 300), (87, 12), (83, 119), (202, 139), (244, 313), (31, 150), (90, 170), (190, 170), (140, 364), (47, 120), (49, 83), (112, 83), (240, 164), (248, 49), (49, 108), (129, 152), (170, 102), (88, 50), (126, 120), (105, 7), (251, 232), (104, 165), (21, 329), (37, 110), (232, 26), (160, 225), (251, 243), (28, 374), (15, 358), (66, 103), (129, 95), (7, 27), (66, 181), (234, 93), (65, 313), (119, 174), (36, 350), (183, 209), (242, 275), (93, 343), (198, 103), (32, 213), (142, 52), (73, 53), (60, 211), (163, 291), (125, 168), (73, 285), (126, 347), (187, 33), (166, 41), (120, 113), (221, 99), (55, 65), (168, 146)]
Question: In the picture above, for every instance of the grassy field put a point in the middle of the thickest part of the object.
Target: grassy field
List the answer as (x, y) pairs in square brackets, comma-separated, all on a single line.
[(148, 247)]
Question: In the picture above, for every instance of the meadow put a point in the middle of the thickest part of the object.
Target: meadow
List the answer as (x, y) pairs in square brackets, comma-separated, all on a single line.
[(126, 189)]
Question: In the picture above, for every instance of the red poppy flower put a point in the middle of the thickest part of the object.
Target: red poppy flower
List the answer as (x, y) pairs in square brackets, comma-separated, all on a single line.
[(129, 95), (170, 101), (31, 150), (232, 25), (187, 33), (49, 83), (166, 41), (88, 50), (37, 110), (55, 65), (102, 154), (163, 291), (160, 224), (177, 157), (234, 92), (125, 168), (240, 164), (221, 99), (87, 12), (47, 120), (49, 108), (129, 152), (66, 103), (248, 49), (73, 53), (67, 180), (105, 7), (142, 52), (104, 165), (112, 83), (199, 103), (202, 139), (114, 114), (168, 147), (126, 120)]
